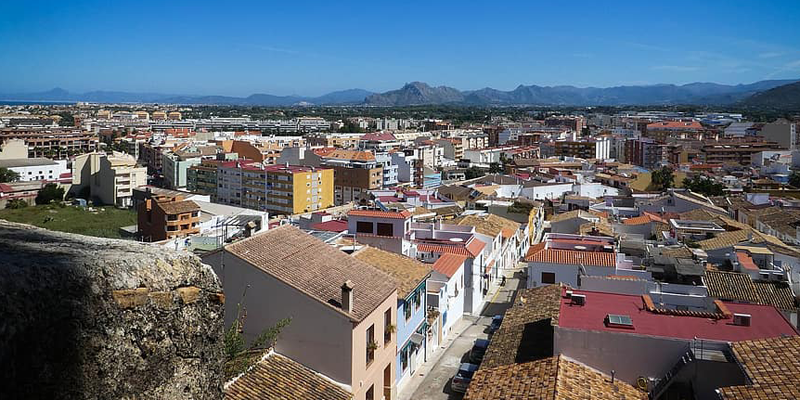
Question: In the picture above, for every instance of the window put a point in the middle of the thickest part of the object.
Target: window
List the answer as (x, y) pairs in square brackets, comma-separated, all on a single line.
[(370, 393), (385, 229), (371, 345), (417, 300), (548, 277), (363, 227), (619, 321), (387, 326), (404, 359), (407, 310)]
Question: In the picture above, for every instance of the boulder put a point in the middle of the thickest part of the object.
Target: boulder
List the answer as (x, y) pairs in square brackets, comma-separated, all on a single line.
[(91, 318)]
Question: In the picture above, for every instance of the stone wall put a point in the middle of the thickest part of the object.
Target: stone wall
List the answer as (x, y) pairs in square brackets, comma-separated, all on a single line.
[(91, 318)]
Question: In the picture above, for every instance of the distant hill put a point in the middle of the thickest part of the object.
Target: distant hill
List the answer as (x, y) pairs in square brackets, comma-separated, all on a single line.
[(785, 97), (418, 93), (351, 96), (415, 93)]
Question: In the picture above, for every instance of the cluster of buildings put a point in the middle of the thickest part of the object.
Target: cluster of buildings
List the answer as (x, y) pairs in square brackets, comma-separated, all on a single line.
[(376, 245)]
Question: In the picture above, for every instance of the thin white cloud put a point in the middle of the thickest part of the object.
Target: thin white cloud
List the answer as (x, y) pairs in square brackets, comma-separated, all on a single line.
[(770, 54), (792, 67), (675, 68)]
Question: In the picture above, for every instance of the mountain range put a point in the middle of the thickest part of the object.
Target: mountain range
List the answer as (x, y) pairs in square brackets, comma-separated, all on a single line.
[(343, 97), (420, 93), (693, 93), (786, 97)]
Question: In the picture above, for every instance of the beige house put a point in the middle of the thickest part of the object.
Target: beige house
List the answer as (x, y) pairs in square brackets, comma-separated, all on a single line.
[(110, 178), (340, 307)]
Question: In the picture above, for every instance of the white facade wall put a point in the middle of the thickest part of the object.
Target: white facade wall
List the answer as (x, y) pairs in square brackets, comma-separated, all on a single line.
[(45, 171)]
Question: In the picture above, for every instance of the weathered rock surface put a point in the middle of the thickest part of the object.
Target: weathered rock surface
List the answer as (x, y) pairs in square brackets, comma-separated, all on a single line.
[(91, 318)]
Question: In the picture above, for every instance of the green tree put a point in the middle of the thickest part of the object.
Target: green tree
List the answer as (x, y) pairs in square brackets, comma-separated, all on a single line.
[(663, 178), (16, 204), (704, 185), (495, 168), (794, 179), (7, 175), (66, 119), (48, 193), (473, 172), (350, 127)]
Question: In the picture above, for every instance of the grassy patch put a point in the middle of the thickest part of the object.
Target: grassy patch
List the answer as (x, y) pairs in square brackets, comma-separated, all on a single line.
[(102, 222)]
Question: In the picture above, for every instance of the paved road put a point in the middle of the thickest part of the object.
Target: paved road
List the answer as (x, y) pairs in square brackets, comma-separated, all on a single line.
[(436, 385)]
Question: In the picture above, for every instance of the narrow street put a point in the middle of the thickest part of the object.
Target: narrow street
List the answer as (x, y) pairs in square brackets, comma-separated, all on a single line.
[(436, 383)]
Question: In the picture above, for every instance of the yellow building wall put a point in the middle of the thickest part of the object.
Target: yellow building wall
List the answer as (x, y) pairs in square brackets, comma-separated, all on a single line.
[(301, 202)]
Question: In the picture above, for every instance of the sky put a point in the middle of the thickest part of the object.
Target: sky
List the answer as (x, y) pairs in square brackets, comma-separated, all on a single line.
[(310, 48)]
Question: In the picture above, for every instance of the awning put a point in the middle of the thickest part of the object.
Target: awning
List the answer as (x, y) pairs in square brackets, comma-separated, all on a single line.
[(489, 266), (417, 339)]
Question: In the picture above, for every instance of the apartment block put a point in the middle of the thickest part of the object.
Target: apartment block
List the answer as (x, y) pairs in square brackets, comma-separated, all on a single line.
[(54, 143), (202, 178), (286, 189), (163, 217), (109, 178)]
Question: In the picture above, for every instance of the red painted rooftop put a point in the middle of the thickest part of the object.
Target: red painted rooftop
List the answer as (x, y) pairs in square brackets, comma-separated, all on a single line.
[(766, 322), (336, 225)]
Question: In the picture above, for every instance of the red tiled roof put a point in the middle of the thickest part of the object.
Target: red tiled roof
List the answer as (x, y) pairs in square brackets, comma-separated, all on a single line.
[(449, 263), (573, 257), (336, 225), (746, 261), (471, 250), (475, 246), (379, 136), (380, 214), (675, 125), (590, 317), (645, 218), (535, 249)]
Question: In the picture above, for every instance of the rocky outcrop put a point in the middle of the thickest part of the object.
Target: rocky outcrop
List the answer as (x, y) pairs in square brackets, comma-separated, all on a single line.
[(90, 318)]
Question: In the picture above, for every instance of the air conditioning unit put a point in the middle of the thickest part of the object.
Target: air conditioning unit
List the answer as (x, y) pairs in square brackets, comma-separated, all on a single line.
[(568, 294), (578, 299), (741, 319)]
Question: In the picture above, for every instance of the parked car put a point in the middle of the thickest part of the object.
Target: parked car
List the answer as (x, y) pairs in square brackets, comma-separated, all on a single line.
[(495, 325), (462, 378), (478, 350)]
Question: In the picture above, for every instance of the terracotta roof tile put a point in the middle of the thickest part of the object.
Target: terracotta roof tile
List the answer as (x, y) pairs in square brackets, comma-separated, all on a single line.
[(380, 214), (279, 377), (178, 207), (471, 249), (490, 225), (773, 367), (315, 268), (551, 378), (536, 305), (408, 272), (448, 264), (739, 287), (559, 256)]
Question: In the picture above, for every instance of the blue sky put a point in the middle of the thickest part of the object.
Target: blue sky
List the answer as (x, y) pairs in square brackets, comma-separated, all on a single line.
[(310, 48)]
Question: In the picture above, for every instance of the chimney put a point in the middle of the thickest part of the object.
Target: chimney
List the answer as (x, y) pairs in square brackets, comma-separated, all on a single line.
[(347, 296)]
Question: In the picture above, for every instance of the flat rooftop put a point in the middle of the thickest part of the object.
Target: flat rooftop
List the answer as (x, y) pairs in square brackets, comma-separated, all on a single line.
[(767, 321)]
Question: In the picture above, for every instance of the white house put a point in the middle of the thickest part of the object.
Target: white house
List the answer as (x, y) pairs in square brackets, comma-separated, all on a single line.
[(36, 169)]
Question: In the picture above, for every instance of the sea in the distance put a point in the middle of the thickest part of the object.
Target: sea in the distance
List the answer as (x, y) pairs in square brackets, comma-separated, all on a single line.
[(29, 102)]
